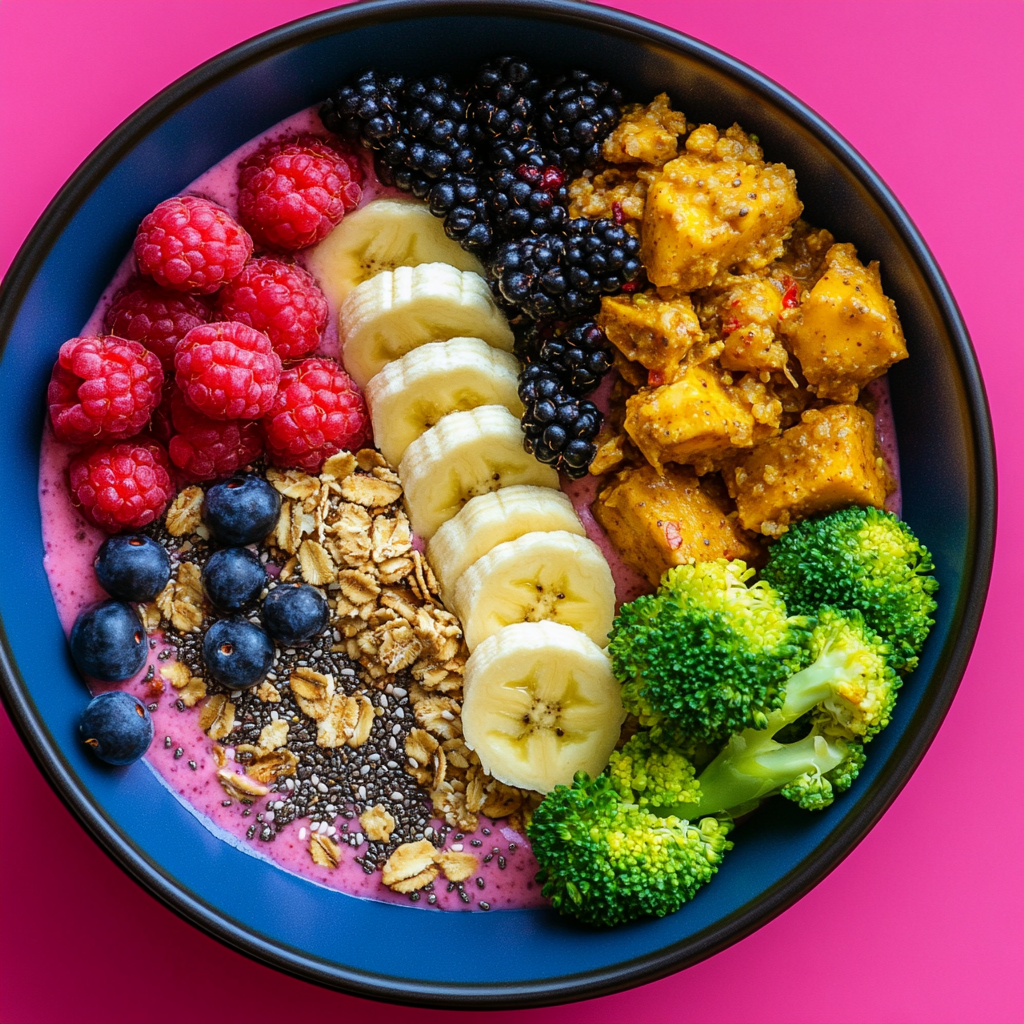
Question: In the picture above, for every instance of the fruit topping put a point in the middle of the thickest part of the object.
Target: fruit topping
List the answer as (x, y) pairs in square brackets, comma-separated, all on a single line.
[(566, 273), (108, 642), (116, 727), (541, 705), (132, 567), (411, 394), (292, 193), (228, 371), (189, 244), (122, 486), (575, 116), (318, 412), (281, 301), (233, 577), (295, 612), (237, 654), (501, 99), (578, 356), (559, 426), (205, 449), (103, 388), (242, 510), (159, 319), (367, 111)]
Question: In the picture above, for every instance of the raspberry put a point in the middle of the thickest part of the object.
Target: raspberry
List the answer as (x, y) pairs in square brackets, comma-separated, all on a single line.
[(189, 244), (318, 411), (291, 193), (122, 486), (159, 319), (102, 388), (280, 300), (204, 449), (227, 371)]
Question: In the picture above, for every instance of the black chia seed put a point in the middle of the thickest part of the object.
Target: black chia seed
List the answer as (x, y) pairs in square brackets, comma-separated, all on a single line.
[(179, 753)]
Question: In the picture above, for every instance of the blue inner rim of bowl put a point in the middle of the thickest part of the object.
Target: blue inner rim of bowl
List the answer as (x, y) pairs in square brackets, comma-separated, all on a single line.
[(372, 939)]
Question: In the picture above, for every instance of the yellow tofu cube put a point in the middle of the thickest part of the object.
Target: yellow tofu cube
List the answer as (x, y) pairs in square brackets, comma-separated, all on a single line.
[(658, 520), (694, 418), (847, 332), (654, 332), (717, 206), (646, 135), (827, 461)]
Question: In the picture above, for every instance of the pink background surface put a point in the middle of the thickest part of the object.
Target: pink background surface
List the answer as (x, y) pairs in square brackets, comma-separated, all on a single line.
[(923, 922)]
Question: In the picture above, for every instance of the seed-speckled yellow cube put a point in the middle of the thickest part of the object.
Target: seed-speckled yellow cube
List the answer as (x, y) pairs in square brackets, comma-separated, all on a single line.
[(847, 332), (827, 461), (654, 332), (717, 206), (658, 520)]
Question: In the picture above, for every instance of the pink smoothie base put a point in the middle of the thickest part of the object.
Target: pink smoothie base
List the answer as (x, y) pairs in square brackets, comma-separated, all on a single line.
[(934, 948)]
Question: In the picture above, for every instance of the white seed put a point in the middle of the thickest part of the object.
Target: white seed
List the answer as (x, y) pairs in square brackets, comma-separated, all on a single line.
[(400, 691), (448, 716), (457, 847), (302, 833)]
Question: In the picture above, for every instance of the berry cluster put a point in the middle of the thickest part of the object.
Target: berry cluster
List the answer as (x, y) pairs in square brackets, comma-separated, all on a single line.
[(199, 361), (562, 363), (493, 158)]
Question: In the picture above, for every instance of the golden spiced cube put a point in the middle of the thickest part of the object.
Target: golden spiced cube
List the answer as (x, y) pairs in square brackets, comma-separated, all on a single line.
[(658, 520), (651, 331), (744, 312), (695, 417), (717, 206), (847, 332), (827, 461)]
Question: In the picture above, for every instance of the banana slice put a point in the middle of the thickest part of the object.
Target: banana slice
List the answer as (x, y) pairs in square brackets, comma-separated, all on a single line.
[(401, 309), (492, 519), (541, 704), (553, 577), (384, 234), (411, 394), (466, 454)]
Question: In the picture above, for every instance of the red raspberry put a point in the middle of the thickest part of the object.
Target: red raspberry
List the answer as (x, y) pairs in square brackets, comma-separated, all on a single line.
[(227, 371), (318, 411), (280, 300), (122, 486), (291, 193), (189, 244), (205, 449), (102, 389), (159, 319)]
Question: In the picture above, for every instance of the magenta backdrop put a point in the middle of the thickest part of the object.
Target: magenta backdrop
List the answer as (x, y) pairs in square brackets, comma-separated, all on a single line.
[(922, 924)]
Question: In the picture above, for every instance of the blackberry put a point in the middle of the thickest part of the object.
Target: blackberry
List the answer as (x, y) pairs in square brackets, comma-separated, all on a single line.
[(566, 273), (459, 200), (529, 200), (575, 115), (559, 426), (433, 138), (367, 111), (577, 354), (501, 100)]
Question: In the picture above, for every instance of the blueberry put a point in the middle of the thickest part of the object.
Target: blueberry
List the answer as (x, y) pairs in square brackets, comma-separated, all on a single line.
[(132, 568), (237, 653), (108, 642), (233, 577), (242, 510), (116, 727), (294, 612)]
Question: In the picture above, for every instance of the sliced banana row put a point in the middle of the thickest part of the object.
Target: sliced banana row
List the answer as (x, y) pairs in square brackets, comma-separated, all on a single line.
[(422, 334)]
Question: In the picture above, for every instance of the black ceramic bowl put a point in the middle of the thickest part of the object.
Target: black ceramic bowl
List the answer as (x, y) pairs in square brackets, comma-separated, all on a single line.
[(515, 958)]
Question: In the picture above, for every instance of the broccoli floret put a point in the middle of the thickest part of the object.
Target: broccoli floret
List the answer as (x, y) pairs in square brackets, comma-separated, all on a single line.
[(845, 696), (863, 559), (650, 775), (707, 654), (606, 860)]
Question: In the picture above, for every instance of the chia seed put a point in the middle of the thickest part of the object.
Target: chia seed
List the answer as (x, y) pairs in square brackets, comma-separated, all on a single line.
[(179, 753)]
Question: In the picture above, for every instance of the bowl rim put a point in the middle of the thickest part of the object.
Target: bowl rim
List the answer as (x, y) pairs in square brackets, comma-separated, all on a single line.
[(841, 841)]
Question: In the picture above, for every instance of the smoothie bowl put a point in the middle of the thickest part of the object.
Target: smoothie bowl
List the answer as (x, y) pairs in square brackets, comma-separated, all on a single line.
[(300, 814)]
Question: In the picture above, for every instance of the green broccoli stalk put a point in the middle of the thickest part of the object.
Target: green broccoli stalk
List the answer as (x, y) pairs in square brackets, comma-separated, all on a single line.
[(845, 695), (863, 559), (707, 655), (605, 857)]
